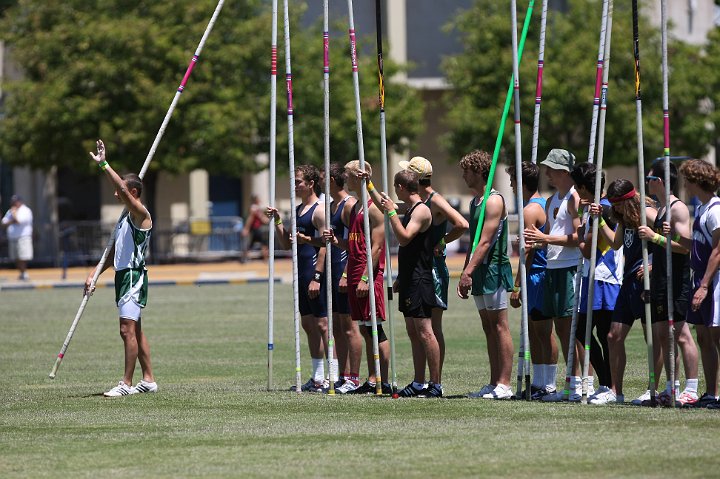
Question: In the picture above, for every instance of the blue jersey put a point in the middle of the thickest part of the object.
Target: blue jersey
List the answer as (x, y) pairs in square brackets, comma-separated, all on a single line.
[(339, 256), (539, 261), (307, 253)]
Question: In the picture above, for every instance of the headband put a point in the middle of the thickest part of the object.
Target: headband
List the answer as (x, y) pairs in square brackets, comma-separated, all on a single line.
[(626, 196)]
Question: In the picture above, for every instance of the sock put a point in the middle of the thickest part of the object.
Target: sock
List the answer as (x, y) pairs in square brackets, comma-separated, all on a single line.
[(591, 382), (691, 385), (354, 377), (668, 386), (551, 376), (418, 385), (575, 382), (677, 386), (333, 366), (318, 367), (537, 375)]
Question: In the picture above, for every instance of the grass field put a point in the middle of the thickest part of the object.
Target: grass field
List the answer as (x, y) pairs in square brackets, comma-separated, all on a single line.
[(214, 418)]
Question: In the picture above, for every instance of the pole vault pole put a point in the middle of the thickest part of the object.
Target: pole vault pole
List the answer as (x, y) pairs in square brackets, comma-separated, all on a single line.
[(598, 193), (271, 230), (668, 210), (591, 154), (501, 129), (538, 82), (364, 199), (293, 215), (385, 187), (143, 170), (524, 356), (332, 367), (643, 217)]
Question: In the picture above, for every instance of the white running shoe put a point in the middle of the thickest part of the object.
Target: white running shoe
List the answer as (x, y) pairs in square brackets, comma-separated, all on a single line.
[(120, 390), (600, 390), (483, 391), (346, 387), (605, 397), (500, 392), (144, 387), (591, 390), (644, 397)]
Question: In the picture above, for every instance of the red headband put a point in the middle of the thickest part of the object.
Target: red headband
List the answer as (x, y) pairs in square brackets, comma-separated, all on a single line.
[(626, 196)]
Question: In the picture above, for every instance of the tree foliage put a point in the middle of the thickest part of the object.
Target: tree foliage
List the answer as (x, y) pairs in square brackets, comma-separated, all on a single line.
[(481, 73), (110, 68)]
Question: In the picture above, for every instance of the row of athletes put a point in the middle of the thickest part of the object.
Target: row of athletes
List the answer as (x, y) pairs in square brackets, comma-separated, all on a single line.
[(555, 238)]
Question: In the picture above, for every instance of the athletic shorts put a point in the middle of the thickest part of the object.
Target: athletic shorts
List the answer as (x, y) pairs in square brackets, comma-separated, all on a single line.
[(535, 290), (537, 315), (360, 307), (441, 278), (559, 292), (21, 249), (417, 299), (709, 313), (629, 305), (315, 306), (605, 294), (492, 302), (658, 306), (339, 300), (130, 310)]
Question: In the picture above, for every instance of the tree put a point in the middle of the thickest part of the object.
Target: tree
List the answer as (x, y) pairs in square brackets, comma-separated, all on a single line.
[(109, 69), (481, 73), (711, 64)]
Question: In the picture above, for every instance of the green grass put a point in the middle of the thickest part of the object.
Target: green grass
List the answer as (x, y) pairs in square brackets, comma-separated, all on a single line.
[(213, 417)]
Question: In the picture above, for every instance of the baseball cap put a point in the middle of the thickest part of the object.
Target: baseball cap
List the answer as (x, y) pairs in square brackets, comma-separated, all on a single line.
[(419, 165), (15, 198), (559, 159)]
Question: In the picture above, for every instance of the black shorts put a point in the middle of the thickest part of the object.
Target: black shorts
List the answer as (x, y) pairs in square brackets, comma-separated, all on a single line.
[(315, 306), (339, 300), (629, 305), (658, 309), (417, 300), (537, 315)]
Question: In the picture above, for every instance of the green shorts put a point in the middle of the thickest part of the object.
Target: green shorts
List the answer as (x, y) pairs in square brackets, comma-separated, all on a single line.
[(559, 292)]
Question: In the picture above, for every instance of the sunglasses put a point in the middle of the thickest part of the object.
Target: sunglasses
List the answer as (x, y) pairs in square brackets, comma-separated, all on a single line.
[(652, 178)]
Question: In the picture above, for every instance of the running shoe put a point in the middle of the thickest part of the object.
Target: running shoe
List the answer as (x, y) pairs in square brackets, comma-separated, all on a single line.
[(387, 388), (432, 391), (500, 392), (144, 387), (483, 391), (411, 391), (605, 397), (706, 400), (347, 387), (600, 390), (665, 398), (313, 386), (688, 399), (555, 396), (366, 388), (540, 393), (638, 401), (120, 390)]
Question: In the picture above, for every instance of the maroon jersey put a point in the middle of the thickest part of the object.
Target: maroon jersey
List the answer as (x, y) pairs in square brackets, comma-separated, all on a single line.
[(357, 267)]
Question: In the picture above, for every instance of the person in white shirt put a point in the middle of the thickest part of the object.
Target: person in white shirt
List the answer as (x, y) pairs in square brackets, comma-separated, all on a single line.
[(19, 223)]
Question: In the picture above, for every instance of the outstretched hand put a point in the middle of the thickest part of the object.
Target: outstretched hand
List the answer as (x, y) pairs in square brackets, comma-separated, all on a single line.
[(100, 156)]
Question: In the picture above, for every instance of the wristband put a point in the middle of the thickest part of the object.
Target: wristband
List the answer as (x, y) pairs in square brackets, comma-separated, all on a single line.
[(442, 242), (516, 289), (317, 276), (659, 239), (391, 213), (602, 222), (676, 238), (364, 278), (278, 221), (370, 187), (580, 212), (103, 166), (344, 275)]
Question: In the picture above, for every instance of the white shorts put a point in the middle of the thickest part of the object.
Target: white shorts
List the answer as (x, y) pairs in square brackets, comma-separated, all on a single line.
[(21, 249), (130, 310), (493, 301)]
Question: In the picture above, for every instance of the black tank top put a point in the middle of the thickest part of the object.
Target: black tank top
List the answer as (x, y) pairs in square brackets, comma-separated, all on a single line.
[(632, 251), (415, 260)]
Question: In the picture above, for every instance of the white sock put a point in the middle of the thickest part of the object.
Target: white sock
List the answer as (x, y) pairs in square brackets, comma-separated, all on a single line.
[(691, 385), (551, 376), (333, 367), (575, 382), (591, 382), (318, 367), (537, 379)]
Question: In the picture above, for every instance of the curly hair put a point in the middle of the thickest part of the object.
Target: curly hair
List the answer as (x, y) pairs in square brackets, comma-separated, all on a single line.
[(477, 161), (310, 173), (627, 212), (701, 173), (530, 175)]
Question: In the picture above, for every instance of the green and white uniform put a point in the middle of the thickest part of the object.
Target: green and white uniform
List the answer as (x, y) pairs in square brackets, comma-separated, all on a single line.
[(131, 244), (495, 272), (441, 275)]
